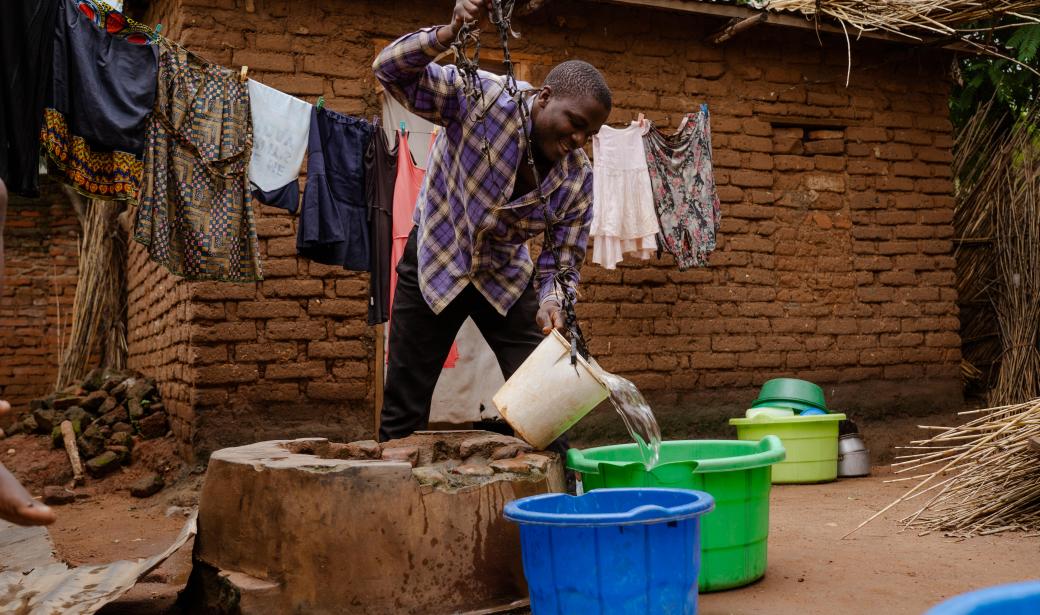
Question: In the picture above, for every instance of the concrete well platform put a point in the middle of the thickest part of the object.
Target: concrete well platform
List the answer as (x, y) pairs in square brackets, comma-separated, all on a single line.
[(412, 526)]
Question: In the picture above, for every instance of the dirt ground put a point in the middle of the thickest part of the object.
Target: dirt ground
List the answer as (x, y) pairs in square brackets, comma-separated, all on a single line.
[(811, 569)]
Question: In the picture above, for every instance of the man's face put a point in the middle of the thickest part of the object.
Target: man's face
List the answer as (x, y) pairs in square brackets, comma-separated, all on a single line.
[(564, 124)]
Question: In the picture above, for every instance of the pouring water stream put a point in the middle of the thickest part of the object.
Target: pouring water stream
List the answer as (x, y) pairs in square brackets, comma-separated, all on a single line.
[(636, 413)]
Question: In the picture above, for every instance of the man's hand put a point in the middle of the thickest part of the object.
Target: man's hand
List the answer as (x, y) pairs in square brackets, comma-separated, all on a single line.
[(550, 317), (465, 10)]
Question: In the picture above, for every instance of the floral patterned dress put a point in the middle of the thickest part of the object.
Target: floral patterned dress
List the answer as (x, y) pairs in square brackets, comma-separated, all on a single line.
[(684, 189)]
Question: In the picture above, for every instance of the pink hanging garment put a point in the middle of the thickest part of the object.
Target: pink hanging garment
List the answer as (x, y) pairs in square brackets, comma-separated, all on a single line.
[(406, 191)]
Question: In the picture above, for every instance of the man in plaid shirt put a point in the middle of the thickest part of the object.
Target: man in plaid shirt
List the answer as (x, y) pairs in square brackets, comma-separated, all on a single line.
[(467, 255)]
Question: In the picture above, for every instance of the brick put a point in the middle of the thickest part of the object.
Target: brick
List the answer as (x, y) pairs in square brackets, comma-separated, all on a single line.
[(946, 339), (744, 143), (221, 291), (734, 343), (264, 61), (793, 163), (351, 369), (223, 332), (279, 267), (337, 307), (281, 246), (337, 391), (894, 151), (297, 84), (880, 357), (295, 330), (336, 350), (273, 391), (751, 179), (268, 351), (269, 309), (901, 340), (712, 360), (829, 146), (226, 374), (867, 134), (287, 371), (268, 226), (293, 288), (352, 288), (205, 311)]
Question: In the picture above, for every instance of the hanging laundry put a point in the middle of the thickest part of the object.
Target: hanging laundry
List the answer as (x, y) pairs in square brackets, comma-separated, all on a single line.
[(26, 48), (684, 189), (333, 226), (110, 18), (623, 219), (380, 176), (195, 213), (281, 125), (407, 189), (103, 89), (420, 131)]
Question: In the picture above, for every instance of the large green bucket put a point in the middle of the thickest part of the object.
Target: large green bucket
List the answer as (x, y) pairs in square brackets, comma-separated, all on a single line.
[(735, 473)]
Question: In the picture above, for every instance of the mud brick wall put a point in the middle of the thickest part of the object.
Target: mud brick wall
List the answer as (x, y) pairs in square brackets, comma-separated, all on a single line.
[(834, 260), (39, 285)]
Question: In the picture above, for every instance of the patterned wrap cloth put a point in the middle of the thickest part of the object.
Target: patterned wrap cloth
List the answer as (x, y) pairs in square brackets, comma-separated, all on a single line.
[(102, 92), (195, 213), (684, 189)]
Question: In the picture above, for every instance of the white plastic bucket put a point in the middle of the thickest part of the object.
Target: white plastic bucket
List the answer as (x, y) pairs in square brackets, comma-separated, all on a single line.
[(547, 395)]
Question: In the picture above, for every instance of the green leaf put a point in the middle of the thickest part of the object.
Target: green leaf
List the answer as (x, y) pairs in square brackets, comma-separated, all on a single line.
[(1025, 41)]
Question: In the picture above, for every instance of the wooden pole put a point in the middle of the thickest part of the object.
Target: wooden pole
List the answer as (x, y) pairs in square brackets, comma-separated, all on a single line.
[(379, 371), (69, 437)]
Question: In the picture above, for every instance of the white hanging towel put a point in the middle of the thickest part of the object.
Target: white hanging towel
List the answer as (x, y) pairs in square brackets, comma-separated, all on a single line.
[(623, 217), (281, 125)]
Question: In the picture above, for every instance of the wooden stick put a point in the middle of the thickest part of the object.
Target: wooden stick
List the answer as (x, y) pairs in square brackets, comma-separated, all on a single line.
[(68, 435)]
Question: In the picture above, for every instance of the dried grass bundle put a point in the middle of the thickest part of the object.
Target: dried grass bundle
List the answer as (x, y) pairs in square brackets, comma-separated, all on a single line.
[(982, 477), (997, 218), (905, 17), (98, 311)]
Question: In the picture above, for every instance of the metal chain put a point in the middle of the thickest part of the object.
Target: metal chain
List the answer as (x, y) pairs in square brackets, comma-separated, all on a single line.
[(501, 16)]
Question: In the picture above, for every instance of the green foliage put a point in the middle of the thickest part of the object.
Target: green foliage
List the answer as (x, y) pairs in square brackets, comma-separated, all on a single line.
[(985, 77)]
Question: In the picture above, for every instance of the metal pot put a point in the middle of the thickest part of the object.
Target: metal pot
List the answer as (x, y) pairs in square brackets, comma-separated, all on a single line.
[(853, 456)]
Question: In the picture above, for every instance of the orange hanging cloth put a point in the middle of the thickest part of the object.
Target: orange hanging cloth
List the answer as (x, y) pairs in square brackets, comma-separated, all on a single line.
[(406, 192)]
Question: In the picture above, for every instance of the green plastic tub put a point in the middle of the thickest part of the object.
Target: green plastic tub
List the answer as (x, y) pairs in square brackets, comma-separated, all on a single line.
[(735, 473), (811, 443), (792, 390)]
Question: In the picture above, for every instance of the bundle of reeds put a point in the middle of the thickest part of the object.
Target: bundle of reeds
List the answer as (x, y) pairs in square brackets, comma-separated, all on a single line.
[(906, 17), (981, 478), (98, 312), (997, 220)]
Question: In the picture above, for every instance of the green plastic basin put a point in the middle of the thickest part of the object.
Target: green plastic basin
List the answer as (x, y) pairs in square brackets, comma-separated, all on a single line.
[(794, 390), (735, 473), (811, 443)]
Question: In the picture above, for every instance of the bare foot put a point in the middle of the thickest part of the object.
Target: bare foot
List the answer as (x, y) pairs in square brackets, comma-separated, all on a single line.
[(17, 506)]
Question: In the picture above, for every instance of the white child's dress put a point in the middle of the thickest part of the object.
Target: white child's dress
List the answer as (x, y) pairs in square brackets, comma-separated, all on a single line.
[(623, 217)]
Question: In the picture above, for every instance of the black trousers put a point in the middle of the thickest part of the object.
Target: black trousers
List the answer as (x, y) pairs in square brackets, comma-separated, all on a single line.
[(421, 340)]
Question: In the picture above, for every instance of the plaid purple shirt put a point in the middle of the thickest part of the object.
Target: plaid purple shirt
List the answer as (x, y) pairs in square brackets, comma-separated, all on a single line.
[(469, 231)]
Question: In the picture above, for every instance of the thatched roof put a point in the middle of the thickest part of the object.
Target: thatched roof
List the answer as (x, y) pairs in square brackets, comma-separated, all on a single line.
[(907, 17)]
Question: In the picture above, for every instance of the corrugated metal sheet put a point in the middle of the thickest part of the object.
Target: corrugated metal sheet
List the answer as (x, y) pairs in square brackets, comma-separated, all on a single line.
[(32, 582)]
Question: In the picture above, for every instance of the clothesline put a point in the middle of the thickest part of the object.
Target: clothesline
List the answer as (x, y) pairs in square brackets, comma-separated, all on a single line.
[(285, 129)]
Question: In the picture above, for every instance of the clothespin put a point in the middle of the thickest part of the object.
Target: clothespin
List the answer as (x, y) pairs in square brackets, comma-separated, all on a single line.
[(403, 127), (158, 28), (321, 102), (242, 76), (642, 120)]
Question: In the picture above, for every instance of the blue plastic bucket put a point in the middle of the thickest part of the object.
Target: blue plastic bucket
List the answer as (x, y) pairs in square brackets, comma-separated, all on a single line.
[(612, 551), (1011, 599)]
